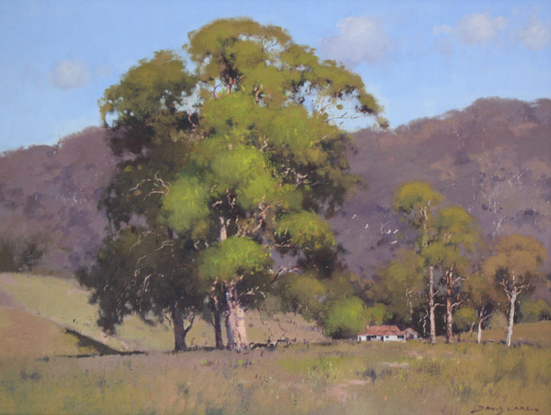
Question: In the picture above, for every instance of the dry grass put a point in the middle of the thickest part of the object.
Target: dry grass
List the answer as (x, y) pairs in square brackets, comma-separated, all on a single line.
[(344, 378)]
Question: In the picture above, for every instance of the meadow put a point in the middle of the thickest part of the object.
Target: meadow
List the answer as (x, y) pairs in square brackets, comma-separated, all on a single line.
[(44, 370), (343, 378)]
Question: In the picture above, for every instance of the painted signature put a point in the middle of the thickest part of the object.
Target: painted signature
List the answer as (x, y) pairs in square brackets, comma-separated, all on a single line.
[(498, 410)]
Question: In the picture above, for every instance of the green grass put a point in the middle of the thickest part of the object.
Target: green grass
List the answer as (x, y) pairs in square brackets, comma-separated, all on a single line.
[(344, 378)]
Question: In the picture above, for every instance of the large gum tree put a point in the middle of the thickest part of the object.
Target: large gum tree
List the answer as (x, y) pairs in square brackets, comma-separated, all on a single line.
[(221, 168), (267, 164)]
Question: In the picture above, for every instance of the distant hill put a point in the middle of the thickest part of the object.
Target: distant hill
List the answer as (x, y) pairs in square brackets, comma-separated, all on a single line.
[(493, 158), (48, 201)]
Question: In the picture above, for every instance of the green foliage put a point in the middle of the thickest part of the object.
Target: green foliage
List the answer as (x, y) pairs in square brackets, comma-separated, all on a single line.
[(498, 321), (186, 203), (516, 255), (402, 285), (464, 318), (378, 314), (264, 62), (141, 272), (532, 311), (346, 317), (148, 88), (306, 231), (19, 256), (416, 197), (8, 260), (304, 294), (482, 292), (234, 257)]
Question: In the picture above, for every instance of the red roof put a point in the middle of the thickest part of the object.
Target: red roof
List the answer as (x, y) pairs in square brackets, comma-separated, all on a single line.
[(383, 331)]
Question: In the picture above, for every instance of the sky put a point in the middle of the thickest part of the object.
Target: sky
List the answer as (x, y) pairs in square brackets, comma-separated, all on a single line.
[(419, 58)]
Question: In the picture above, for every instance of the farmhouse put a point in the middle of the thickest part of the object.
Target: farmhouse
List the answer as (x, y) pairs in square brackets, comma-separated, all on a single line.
[(387, 334)]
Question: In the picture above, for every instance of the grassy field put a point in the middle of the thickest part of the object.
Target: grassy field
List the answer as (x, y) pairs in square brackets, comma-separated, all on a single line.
[(40, 372), (341, 378)]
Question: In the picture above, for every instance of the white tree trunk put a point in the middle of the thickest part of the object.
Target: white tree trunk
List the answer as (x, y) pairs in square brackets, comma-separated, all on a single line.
[(513, 299), (479, 334), (432, 306), (235, 319), (449, 316)]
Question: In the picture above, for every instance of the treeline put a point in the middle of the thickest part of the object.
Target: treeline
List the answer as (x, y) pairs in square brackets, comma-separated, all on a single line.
[(449, 280)]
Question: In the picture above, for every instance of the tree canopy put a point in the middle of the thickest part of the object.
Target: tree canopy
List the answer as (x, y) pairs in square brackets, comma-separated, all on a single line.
[(226, 165), (446, 236), (515, 266)]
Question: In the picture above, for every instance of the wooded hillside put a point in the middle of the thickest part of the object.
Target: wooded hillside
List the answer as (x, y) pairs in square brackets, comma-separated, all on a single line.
[(493, 158)]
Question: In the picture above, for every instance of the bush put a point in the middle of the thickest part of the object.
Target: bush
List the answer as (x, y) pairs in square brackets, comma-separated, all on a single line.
[(532, 311), (346, 317), (464, 318), (498, 321)]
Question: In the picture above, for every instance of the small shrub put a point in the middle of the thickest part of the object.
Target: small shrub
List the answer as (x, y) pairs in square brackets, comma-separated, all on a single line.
[(498, 321)]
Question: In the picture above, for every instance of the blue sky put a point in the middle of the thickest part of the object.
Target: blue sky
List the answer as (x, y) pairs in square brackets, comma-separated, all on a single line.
[(419, 58)]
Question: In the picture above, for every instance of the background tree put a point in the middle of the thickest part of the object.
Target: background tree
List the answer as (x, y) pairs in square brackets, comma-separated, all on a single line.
[(515, 266), (446, 236), (454, 237), (534, 310), (401, 286), (417, 202), (267, 164), (483, 298), (141, 272), (143, 266), (465, 318)]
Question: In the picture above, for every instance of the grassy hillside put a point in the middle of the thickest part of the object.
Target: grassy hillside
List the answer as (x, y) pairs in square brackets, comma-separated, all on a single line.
[(59, 304)]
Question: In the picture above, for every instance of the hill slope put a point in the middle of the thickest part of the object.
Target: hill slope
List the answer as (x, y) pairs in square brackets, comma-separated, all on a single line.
[(39, 313), (493, 158)]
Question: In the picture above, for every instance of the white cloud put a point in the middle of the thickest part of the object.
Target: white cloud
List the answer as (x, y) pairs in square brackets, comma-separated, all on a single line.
[(478, 29), (535, 35), (69, 74), (360, 39), (442, 29)]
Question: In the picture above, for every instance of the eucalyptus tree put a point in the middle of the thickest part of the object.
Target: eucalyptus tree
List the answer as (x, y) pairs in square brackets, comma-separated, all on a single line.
[(455, 236), (417, 201), (516, 266), (401, 285), (268, 163), (445, 237), (483, 297), (241, 159)]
